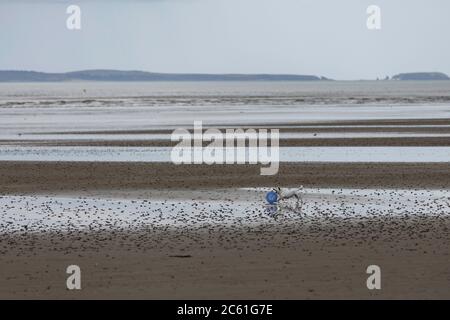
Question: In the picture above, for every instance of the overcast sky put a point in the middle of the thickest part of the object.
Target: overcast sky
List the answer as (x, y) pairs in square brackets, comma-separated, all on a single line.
[(321, 37)]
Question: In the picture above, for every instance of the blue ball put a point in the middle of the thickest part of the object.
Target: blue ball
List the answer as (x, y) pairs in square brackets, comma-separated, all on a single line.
[(272, 197)]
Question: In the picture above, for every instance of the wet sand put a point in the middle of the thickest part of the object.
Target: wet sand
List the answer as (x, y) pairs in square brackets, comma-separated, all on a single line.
[(304, 142), (318, 256), (436, 129), (40, 177), (321, 259)]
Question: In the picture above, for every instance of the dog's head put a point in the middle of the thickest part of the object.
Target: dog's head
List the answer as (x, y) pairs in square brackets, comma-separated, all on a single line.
[(277, 190)]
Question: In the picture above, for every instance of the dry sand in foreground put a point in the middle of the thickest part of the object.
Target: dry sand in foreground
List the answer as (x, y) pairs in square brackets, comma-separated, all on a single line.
[(314, 260)]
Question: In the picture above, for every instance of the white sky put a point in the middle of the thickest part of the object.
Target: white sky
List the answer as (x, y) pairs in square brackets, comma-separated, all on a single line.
[(321, 37)]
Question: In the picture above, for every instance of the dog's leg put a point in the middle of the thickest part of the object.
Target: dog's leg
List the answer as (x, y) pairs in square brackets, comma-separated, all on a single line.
[(299, 205), (296, 203)]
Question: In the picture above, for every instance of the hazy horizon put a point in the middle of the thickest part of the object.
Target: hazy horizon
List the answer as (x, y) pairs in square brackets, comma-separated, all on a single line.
[(301, 37), (325, 77)]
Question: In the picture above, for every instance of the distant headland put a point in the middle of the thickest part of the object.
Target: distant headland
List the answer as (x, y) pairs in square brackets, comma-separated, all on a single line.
[(421, 76), (116, 75)]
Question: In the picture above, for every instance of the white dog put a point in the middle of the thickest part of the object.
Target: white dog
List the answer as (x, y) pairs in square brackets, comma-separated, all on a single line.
[(284, 194)]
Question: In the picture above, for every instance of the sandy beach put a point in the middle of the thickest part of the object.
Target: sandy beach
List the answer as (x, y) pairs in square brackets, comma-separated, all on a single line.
[(317, 255), (314, 259), (142, 229)]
